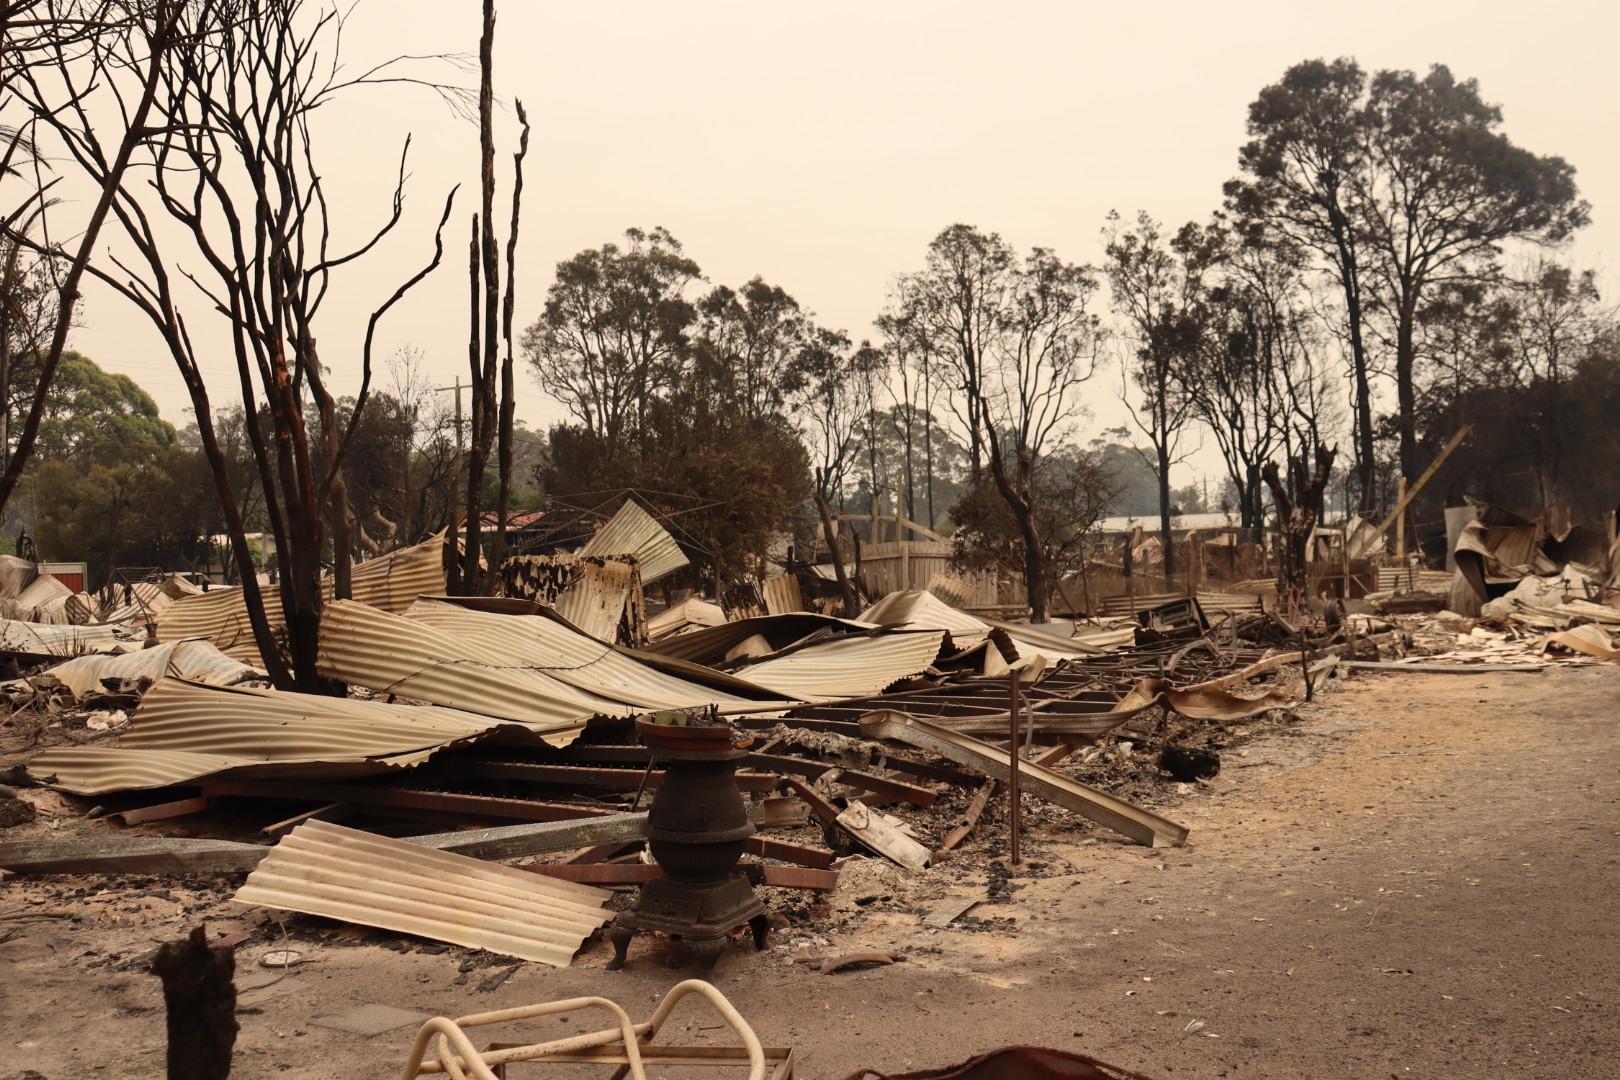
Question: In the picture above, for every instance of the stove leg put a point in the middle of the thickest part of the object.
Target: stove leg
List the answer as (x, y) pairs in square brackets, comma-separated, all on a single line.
[(761, 926), (620, 936)]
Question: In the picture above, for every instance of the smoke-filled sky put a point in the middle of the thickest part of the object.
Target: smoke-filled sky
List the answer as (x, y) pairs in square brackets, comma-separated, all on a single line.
[(823, 145)]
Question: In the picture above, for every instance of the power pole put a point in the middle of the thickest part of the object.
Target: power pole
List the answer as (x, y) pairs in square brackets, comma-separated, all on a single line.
[(458, 388)]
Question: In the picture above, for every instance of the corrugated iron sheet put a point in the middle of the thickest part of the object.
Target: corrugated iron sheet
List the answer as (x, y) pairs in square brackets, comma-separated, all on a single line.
[(15, 574), (633, 531), (924, 610), (328, 870), (391, 583), (848, 667), (781, 594), (710, 644), (690, 613), (198, 661), (145, 600), (541, 644), (183, 732), (46, 639), (595, 601), (392, 654), (41, 602), (1051, 642), (1232, 603)]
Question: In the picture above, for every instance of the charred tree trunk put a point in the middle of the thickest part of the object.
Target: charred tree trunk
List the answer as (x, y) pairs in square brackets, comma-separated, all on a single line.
[(508, 390), (1405, 390), (486, 375), (1350, 281), (1163, 446), (235, 529), (1296, 518), (928, 459), (200, 997), (829, 532), (472, 546), (1016, 493)]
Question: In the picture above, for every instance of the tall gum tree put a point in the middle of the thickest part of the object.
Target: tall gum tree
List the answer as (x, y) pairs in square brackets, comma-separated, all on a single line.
[(1301, 169), (1442, 191)]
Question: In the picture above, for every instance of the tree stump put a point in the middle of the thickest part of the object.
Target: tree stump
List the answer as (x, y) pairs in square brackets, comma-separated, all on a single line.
[(200, 996)]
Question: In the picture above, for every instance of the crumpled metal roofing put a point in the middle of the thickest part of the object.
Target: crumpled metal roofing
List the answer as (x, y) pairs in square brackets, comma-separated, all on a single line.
[(924, 610), (42, 601), (918, 609), (183, 732), (146, 599), (15, 574), (391, 583), (781, 594), (633, 531), (328, 870), (50, 639), (198, 661), (847, 667), (541, 644), (711, 644), (392, 654), (692, 612), (595, 601)]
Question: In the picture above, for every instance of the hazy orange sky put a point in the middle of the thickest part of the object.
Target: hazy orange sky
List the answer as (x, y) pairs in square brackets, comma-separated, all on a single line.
[(823, 145)]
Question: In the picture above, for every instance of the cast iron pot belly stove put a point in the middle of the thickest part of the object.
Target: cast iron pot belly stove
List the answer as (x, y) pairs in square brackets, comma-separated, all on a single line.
[(695, 828)]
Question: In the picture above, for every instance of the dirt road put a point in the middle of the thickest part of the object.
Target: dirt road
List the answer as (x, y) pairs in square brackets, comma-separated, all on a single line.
[(1416, 879)]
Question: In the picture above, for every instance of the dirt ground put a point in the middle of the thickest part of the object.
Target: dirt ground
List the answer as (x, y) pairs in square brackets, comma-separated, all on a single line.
[(1416, 878)]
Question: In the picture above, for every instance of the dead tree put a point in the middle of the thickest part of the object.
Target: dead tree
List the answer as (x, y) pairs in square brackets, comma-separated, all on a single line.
[(41, 41), (829, 533), (493, 402), (829, 389), (1296, 503), (229, 158), (508, 381)]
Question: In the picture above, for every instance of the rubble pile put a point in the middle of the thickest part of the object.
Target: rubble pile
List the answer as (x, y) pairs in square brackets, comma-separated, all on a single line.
[(487, 762)]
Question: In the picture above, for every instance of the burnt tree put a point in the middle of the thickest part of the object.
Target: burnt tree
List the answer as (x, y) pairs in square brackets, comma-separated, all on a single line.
[(228, 157), (1296, 501), (493, 400), (53, 54)]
